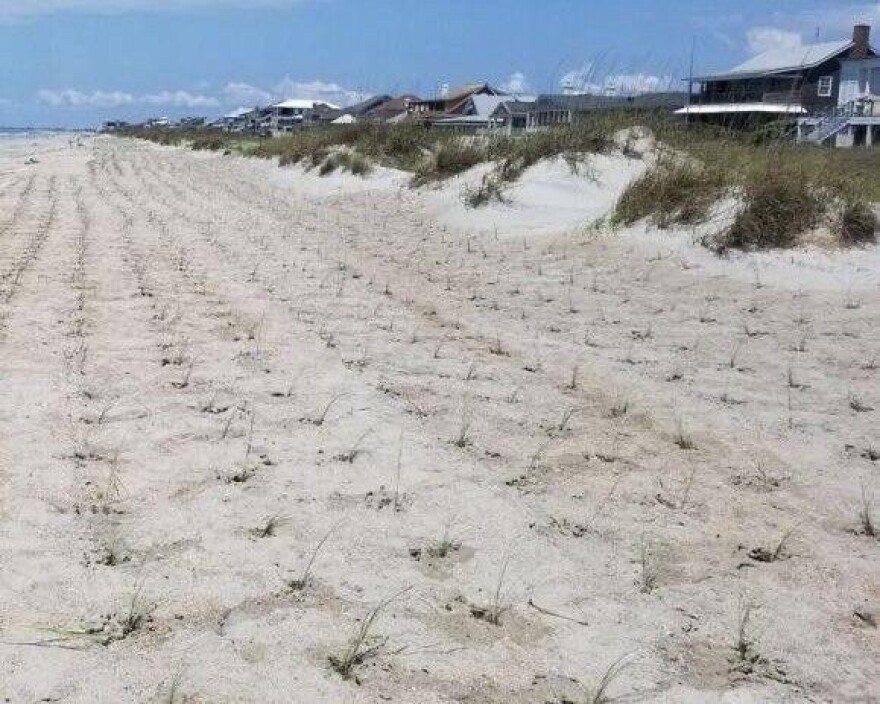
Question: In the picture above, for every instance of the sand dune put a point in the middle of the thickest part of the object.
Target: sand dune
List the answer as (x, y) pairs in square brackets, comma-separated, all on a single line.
[(247, 414)]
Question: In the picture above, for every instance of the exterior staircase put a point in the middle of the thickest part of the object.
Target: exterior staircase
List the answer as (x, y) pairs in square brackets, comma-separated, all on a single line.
[(826, 128)]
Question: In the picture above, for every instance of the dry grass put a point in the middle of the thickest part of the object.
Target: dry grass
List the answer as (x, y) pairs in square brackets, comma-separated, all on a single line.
[(855, 223), (778, 204), (674, 191), (784, 189)]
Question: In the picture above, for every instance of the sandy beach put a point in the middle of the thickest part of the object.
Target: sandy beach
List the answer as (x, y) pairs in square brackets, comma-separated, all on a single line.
[(268, 437)]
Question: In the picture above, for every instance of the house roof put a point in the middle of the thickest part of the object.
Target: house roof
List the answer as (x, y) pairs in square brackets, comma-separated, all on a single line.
[(456, 96), (467, 91), (783, 59), (241, 112), (365, 106), (300, 104), (392, 108), (485, 105), (517, 106)]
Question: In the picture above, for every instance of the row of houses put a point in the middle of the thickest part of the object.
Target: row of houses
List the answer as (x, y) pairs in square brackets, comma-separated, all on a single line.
[(477, 107), (826, 93)]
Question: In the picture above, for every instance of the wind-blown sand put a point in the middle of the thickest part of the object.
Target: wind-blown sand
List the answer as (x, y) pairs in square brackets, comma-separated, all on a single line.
[(209, 366)]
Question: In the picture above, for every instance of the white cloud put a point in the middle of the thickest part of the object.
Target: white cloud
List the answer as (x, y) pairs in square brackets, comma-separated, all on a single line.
[(11, 9), (761, 39), (318, 90), (115, 99), (245, 94), (517, 83), (237, 93), (836, 22), (830, 21), (234, 93), (585, 80)]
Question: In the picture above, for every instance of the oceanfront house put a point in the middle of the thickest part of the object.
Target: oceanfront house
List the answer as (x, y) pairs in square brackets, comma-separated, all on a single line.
[(512, 115), (554, 110), (114, 126), (294, 114), (450, 103), (234, 121), (799, 85), (478, 113), (379, 108), (357, 112)]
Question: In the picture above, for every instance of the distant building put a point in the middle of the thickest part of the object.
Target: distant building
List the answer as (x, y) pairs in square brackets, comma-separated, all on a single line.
[(379, 108), (356, 112), (450, 102), (114, 126), (293, 114), (553, 110), (477, 113)]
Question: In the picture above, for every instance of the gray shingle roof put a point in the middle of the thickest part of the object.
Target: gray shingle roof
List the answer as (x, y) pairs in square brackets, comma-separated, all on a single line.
[(783, 59)]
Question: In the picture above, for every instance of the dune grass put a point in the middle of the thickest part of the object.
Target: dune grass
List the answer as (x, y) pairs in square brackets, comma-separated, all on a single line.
[(782, 189), (674, 191)]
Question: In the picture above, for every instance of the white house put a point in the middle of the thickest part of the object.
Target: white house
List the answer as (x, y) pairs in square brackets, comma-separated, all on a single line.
[(290, 115)]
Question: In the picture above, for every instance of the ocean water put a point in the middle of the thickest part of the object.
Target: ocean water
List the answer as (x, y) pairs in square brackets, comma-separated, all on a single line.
[(8, 133)]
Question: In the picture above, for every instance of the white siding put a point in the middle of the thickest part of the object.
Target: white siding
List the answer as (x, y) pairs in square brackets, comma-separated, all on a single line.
[(859, 78)]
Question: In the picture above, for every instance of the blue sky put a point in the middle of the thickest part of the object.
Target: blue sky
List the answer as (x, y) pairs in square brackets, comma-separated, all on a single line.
[(76, 62)]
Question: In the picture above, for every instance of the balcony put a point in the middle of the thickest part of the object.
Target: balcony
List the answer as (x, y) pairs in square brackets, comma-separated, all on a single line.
[(783, 97)]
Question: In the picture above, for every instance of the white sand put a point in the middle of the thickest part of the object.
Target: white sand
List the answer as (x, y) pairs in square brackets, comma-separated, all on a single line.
[(173, 325)]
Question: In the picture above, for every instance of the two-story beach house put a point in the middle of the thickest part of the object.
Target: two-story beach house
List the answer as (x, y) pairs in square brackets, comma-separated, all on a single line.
[(799, 84)]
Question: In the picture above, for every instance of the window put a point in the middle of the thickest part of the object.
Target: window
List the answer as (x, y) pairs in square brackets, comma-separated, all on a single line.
[(826, 86)]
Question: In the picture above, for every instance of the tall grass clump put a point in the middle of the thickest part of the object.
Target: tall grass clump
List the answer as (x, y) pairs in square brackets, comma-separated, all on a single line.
[(514, 155), (452, 156), (855, 223), (778, 204), (352, 162), (674, 191), (210, 142)]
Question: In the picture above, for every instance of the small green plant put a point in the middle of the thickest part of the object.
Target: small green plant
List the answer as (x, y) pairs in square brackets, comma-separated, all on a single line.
[(601, 695), (866, 515), (463, 437), (491, 188), (682, 437), (647, 579), (363, 645), (302, 582), (497, 606), (356, 450), (321, 417), (269, 528)]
